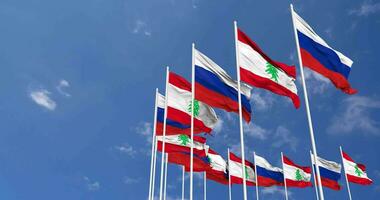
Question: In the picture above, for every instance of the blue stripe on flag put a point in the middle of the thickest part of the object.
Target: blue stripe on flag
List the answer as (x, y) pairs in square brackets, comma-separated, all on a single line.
[(169, 122), (326, 56), (277, 176), (329, 174)]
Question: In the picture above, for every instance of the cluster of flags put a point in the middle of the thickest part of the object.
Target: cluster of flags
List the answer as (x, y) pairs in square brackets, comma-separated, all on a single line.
[(187, 108)]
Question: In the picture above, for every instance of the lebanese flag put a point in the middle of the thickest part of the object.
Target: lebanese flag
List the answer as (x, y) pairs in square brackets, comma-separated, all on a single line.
[(182, 143), (356, 173), (258, 70), (179, 106), (218, 168), (295, 175), (216, 88), (236, 173)]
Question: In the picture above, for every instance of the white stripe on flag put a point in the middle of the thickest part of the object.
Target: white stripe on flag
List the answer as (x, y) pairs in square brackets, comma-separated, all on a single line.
[(290, 172)]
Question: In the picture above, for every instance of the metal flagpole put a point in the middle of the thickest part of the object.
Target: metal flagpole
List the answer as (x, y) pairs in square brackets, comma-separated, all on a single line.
[(345, 174), (164, 133), (183, 182), (153, 148), (314, 177), (204, 186), (192, 120), (314, 148), (229, 176), (256, 178), (286, 189), (166, 174), (154, 166), (240, 112)]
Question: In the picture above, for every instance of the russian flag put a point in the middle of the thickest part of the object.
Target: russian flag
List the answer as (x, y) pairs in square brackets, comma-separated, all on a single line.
[(172, 127), (330, 173), (267, 175), (296, 175), (217, 89), (179, 106), (317, 55), (236, 173), (356, 173)]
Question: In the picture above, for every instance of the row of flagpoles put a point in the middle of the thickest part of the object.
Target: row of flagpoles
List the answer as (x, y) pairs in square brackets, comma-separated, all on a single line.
[(186, 110)]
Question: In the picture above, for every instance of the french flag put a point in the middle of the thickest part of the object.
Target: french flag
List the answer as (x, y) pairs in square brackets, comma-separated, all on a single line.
[(296, 175), (356, 173), (172, 127), (317, 55), (179, 106), (236, 173), (267, 175), (330, 173), (216, 88)]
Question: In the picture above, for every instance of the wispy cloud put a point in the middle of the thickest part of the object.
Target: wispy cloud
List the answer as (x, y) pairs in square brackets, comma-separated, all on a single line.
[(356, 115), (365, 9), (126, 149), (146, 130), (283, 137), (140, 27), (262, 100), (256, 131), (42, 98), (91, 185), (130, 180), (274, 190), (61, 86), (218, 126), (316, 83)]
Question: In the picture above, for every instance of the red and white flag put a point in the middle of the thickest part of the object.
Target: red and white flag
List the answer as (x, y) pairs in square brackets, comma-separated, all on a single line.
[(182, 143), (218, 168), (356, 173), (236, 173), (258, 70), (295, 175)]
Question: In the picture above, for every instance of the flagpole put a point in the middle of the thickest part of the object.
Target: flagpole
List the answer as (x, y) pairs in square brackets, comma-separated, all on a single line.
[(229, 176), (164, 133), (286, 189), (154, 167), (314, 148), (204, 186), (192, 120), (240, 112), (153, 148), (345, 174), (183, 182), (256, 178), (314, 177), (166, 174)]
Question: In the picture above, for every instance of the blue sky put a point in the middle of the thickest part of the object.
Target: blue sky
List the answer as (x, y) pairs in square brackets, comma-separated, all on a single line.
[(77, 88)]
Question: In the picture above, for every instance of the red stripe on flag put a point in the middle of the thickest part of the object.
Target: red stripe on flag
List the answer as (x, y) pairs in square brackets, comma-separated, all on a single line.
[(237, 180), (290, 162), (300, 184), (358, 180), (267, 182), (215, 99), (185, 118), (337, 79), (180, 82), (268, 84), (290, 70)]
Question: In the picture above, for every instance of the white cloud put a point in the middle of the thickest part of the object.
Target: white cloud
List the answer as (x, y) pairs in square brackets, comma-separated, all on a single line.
[(146, 130), (91, 185), (141, 27), (126, 149), (256, 131), (41, 97), (356, 115), (365, 9), (274, 190), (262, 100), (60, 87), (130, 180), (316, 83), (283, 137), (218, 126)]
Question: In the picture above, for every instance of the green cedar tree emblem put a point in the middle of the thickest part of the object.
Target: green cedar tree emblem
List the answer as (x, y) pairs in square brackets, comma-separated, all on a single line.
[(299, 176), (246, 172), (272, 71), (196, 107), (358, 171), (184, 139), (208, 159)]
